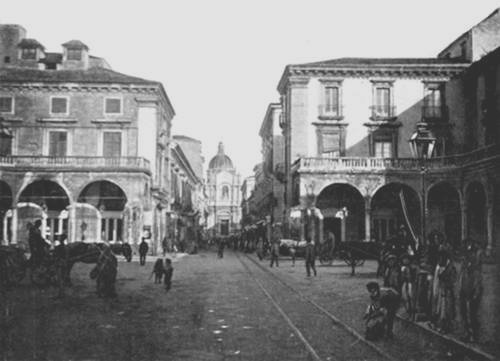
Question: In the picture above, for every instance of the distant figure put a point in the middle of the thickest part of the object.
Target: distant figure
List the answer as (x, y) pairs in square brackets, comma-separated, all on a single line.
[(169, 271), (386, 303), (38, 246), (143, 250), (293, 253), (471, 288), (310, 246), (220, 248), (158, 270), (445, 298), (392, 273), (275, 252), (105, 273), (164, 246)]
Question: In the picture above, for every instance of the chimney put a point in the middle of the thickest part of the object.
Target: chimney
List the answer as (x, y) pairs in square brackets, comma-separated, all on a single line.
[(10, 36), (75, 55)]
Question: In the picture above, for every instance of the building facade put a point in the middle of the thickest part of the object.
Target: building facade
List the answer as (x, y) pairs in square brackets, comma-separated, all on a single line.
[(223, 191), (188, 209), (87, 146)]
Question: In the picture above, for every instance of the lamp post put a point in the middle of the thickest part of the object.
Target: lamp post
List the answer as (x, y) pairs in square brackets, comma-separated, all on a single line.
[(422, 146)]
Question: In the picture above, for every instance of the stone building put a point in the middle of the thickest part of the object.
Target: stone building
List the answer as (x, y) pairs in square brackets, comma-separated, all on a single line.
[(223, 191), (348, 123), (187, 216), (88, 151)]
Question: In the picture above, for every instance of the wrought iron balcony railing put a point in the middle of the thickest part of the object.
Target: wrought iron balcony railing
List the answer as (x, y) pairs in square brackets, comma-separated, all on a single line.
[(382, 112), (75, 162), (437, 113), (369, 164)]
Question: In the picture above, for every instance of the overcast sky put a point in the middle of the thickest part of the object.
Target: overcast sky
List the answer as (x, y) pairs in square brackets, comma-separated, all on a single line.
[(220, 60)]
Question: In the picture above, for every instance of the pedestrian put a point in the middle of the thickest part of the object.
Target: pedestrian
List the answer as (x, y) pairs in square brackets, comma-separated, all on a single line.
[(374, 317), (310, 258), (387, 302), (168, 273), (158, 270), (164, 246), (293, 253), (407, 284), (220, 247), (61, 264), (392, 273), (38, 245), (260, 249), (105, 273), (471, 289), (445, 298), (275, 252), (143, 250)]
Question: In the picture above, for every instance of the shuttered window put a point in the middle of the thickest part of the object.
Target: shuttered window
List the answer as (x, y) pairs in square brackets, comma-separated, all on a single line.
[(383, 149), (112, 144), (6, 104), (382, 101), (58, 144), (113, 106), (59, 105), (332, 100)]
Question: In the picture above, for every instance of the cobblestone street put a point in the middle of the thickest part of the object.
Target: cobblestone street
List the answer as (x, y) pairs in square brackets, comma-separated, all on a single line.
[(215, 311)]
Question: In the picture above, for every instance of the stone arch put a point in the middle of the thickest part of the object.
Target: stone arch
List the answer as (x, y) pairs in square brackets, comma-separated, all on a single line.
[(387, 211), (106, 223), (45, 199), (475, 203), (443, 212), (333, 201)]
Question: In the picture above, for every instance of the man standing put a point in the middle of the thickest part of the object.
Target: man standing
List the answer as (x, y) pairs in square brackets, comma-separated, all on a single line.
[(164, 246), (61, 261), (105, 273), (310, 255), (143, 250), (37, 243), (275, 251), (386, 301)]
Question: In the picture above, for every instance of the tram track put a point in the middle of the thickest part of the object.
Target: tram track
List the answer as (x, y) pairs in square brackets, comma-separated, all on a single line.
[(325, 338)]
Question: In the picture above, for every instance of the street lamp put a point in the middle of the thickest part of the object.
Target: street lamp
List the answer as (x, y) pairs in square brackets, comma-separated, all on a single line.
[(422, 144)]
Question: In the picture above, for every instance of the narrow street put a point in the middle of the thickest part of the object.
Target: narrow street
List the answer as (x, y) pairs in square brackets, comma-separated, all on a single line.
[(217, 309)]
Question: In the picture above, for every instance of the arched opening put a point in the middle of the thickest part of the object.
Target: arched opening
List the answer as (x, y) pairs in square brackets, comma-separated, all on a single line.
[(5, 206), (109, 199), (475, 197), (343, 209), (388, 214), (443, 205), (47, 200)]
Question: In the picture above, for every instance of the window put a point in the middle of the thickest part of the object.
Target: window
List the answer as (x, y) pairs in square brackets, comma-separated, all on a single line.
[(382, 106), (113, 106), (330, 144), (433, 101), (74, 54), (225, 192), (112, 144), (383, 149), (6, 105), (59, 105), (28, 53), (5, 146), (6, 59), (332, 100), (58, 143)]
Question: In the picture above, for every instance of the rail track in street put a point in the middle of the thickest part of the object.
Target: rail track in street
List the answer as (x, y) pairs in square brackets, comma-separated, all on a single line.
[(326, 337)]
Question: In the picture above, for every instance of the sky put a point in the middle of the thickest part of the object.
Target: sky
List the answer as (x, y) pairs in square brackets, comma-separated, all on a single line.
[(220, 60)]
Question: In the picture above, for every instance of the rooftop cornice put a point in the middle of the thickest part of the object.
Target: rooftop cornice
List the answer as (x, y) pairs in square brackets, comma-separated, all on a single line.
[(297, 74)]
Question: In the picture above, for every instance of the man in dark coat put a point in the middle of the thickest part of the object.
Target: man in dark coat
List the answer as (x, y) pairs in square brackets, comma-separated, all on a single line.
[(105, 273), (143, 250), (38, 246), (387, 302), (61, 261)]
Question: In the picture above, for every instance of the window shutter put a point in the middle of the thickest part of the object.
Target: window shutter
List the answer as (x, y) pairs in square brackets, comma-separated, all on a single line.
[(59, 105), (112, 144), (113, 106), (58, 144)]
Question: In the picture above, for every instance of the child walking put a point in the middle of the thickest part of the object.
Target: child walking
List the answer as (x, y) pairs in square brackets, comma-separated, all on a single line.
[(158, 270)]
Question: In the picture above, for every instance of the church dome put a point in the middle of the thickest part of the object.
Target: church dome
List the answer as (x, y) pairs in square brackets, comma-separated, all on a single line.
[(220, 161)]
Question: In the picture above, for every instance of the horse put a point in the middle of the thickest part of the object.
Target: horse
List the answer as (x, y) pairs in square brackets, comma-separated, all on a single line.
[(90, 252)]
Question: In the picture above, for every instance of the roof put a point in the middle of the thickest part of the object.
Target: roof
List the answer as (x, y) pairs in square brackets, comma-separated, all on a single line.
[(380, 61), (91, 75), (30, 43), (75, 44), (185, 137), (221, 160)]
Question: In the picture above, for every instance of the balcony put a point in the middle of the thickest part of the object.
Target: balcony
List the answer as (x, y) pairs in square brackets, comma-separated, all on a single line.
[(330, 112), (75, 163), (435, 113), (383, 112), (369, 164)]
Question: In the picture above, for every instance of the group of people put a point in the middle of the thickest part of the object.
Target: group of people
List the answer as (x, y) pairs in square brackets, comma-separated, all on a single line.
[(428, 283), (163, 271)]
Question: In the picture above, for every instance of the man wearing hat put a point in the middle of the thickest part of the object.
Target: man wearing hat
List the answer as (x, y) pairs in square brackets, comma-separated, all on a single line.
[(392, 272)]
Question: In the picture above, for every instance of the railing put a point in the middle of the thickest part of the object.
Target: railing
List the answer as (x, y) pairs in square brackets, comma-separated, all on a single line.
[(362, 164), (382, 111), (75, 162), (435, 113)]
